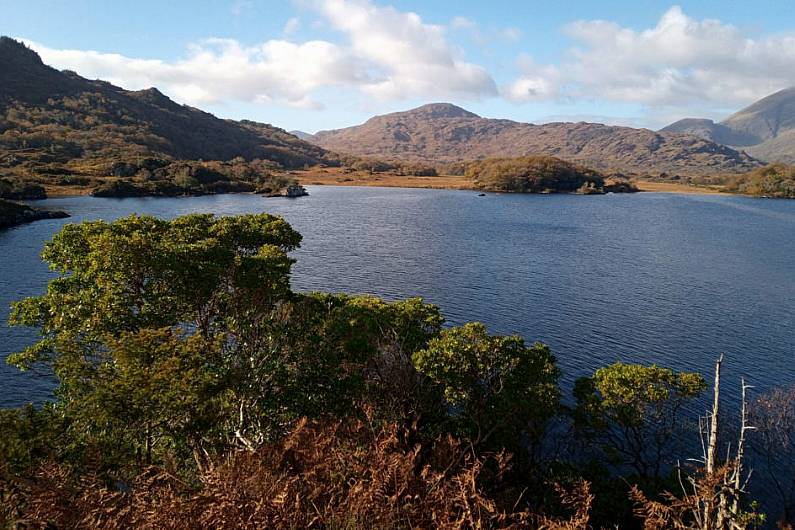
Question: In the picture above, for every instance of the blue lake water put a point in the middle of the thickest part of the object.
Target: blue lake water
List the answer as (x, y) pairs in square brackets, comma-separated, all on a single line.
[(665, 278)]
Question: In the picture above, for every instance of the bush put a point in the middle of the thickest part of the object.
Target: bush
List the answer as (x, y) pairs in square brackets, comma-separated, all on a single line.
[(773, 180)]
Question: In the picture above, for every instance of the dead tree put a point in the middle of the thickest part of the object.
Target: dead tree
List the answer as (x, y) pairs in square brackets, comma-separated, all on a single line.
[(710, 498)]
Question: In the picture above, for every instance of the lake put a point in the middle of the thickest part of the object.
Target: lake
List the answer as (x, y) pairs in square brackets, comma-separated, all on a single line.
[(671, 279)]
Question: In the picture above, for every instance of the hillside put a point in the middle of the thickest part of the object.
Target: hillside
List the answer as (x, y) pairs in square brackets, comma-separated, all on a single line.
[(765, 129), (56, 125), (442, 132)]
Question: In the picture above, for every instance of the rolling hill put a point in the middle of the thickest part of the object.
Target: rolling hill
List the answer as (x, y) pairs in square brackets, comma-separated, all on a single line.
[(442, 132)]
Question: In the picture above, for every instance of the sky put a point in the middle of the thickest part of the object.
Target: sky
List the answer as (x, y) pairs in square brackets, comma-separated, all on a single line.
[(323, 64)]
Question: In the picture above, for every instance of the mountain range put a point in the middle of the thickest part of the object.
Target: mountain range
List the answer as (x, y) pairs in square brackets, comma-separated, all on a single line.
[(442, 132), (57, 123), (764, 129)]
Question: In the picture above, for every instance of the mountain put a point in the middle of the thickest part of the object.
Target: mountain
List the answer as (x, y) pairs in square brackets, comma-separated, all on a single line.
[(301, 135), (56, 123), (709, 130), (765, 129), (442, 132)]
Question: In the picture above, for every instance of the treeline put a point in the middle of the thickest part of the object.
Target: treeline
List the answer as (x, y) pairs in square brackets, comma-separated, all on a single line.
[(154, 176), (371, 165), (197, 390), (541, 174), (773, 180)]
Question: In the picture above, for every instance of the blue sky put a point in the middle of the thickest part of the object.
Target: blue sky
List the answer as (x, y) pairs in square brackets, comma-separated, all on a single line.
[(318, 64)]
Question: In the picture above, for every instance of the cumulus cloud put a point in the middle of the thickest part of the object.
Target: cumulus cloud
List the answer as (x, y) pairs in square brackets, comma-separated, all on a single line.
[(222, 69), (385, 53), (410, 58), (679, 62), (536, 82)]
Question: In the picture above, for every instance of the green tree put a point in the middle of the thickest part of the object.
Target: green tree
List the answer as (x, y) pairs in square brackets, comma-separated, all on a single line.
[(220, 280), (632, 413), (496, 387), (156, 393)]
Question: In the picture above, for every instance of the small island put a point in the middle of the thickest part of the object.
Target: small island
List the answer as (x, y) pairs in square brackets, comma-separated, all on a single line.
[(543, 174)]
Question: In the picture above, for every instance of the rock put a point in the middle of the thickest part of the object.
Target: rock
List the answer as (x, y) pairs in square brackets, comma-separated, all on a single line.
[(292, 191), (120, 188), (295, 190), (617, 185), (13, 214)]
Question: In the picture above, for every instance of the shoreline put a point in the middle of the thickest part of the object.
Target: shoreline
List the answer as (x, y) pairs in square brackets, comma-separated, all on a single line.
[(341, 177), (336, 177)]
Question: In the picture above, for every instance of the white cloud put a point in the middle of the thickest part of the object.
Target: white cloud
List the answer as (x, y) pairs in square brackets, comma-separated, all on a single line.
[(222, 69), (291, 26), (536, 82), (680, 65), (409, 58), (681, 62), (385, 53)]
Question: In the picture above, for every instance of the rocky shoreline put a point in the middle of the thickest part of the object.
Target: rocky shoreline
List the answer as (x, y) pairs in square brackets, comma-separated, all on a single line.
[(13, 214)]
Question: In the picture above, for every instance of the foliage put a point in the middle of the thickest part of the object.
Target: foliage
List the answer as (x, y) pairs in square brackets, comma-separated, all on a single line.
[(773, 180), (495, 385), (196, 388), (534, 174), (634, 413), (371, 165), (340, 475)]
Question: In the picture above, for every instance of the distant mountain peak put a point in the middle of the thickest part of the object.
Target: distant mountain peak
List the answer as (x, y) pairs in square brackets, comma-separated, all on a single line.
[(301, 135), (765, 128), (441, 110), (444, 133)]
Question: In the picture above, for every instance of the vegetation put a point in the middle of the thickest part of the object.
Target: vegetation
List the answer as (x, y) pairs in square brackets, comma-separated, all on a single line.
[(773, 180), (59, 129), (14, 189), (371, 165), (196, 389), (634, 413), (540, 174)]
